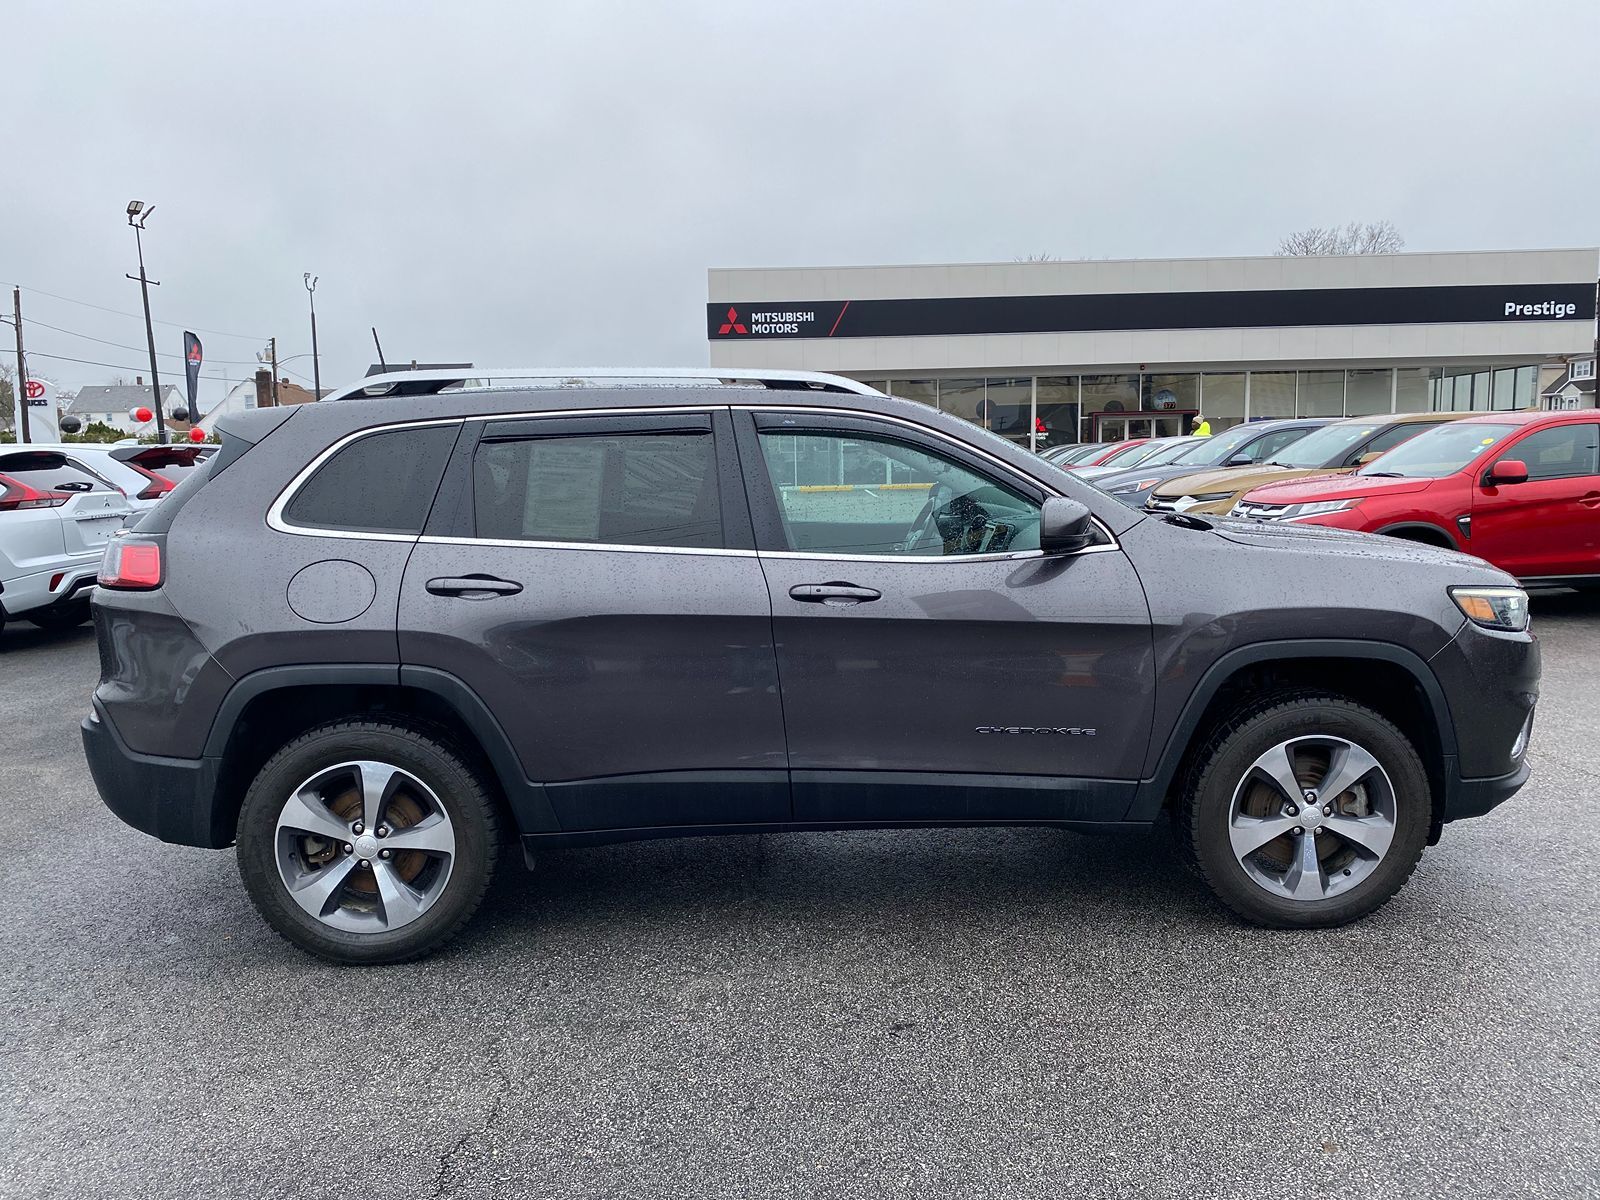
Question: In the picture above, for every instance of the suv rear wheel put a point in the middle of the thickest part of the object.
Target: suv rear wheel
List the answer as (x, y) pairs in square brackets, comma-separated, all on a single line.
[(1309, 811), (367, 842)]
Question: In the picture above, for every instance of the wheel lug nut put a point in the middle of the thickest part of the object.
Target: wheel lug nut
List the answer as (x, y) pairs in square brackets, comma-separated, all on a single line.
[(1328, 811), (383, 853), (365, 865), (356, 828), (383, 831), (349, 849), (1297, 831), (1293, 811)]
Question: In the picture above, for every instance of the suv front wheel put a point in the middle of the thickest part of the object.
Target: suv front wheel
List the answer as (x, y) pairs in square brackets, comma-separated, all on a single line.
[(1309, 810), (367, 842)]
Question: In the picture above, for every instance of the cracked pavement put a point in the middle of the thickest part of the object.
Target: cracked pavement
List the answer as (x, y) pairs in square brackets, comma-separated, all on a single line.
[(947, 1013)]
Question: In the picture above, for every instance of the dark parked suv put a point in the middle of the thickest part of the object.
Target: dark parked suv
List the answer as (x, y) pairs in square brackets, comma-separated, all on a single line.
[(373, 641)]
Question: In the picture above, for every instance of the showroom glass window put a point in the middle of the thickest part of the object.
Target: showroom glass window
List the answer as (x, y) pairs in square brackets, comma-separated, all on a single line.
[(1271, 394), (1058, 410), (1222, 400), (1368, 392), (841, 503), (1321, 394)]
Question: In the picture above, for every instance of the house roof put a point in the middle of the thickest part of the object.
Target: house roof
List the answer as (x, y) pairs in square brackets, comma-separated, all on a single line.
[(117, 397), (1584, 386)]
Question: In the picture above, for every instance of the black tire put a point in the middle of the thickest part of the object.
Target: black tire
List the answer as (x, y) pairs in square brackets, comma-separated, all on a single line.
[(421, 751), (1205, 807), (61, 616)]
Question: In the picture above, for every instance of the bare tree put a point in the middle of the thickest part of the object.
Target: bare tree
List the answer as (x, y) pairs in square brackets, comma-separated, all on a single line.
[(1358, 237), (1037, 258)]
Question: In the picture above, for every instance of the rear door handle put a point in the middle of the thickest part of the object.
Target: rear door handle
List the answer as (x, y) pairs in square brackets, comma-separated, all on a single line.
[(1592, 500), (832, 593), (473, 587)]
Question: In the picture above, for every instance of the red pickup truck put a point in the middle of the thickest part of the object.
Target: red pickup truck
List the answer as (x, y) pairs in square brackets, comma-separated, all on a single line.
[(1521, 490)]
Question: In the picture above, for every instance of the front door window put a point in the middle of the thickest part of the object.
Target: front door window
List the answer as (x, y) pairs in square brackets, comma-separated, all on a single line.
[(864, 494)]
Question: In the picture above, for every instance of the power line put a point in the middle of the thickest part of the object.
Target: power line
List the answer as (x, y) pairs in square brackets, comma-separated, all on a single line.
[(233, 362), (248, 337), (89, 362)]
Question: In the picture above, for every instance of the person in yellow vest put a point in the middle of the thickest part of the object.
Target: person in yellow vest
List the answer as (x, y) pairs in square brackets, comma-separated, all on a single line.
[(1203, 429)]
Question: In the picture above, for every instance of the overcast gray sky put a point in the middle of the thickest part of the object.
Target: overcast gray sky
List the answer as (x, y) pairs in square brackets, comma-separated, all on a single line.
[(538, 183)]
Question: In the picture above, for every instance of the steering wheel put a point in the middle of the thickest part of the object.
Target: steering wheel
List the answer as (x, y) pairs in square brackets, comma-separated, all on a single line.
[(939, 495)]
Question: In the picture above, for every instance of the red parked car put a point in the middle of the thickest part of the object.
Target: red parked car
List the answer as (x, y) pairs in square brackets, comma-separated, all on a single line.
[(1521, 490)]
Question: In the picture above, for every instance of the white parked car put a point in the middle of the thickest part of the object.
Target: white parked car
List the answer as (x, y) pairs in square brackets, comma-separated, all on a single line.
[(55, 519), (144, 473)]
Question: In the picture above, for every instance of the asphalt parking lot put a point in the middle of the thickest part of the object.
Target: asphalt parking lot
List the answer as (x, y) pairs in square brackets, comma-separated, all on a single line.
[(975, 1013)]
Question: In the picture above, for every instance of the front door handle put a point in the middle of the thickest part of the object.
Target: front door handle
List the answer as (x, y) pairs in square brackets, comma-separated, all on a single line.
[(1592, 500), (832, 593), (473, 587)]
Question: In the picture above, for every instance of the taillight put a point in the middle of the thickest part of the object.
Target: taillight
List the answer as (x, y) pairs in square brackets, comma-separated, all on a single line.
[(158, 486), (19, 495), (135, 566)]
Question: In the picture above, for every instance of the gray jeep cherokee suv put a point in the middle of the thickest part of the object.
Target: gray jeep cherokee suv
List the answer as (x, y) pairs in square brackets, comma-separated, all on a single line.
[(375, 640)]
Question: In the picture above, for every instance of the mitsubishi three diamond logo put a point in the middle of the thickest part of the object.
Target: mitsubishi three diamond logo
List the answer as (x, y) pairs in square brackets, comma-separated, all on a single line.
[(732, 324)]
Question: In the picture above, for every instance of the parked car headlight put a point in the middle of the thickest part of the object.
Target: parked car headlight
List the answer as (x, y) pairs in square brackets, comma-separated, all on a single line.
[(1503, 608), (1289, 512), (1137, 485)]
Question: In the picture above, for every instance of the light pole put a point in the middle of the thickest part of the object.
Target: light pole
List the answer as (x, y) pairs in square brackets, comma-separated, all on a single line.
[(138, 214), (316, 363)]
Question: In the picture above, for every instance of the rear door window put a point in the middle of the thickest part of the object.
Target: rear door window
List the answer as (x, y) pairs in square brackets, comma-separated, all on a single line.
[(621, 489), (380, 483)]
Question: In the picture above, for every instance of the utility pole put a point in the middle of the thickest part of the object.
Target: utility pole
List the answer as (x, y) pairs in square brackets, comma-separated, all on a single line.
[(275, 373), (316, 363), (20, 392), (138, 214)]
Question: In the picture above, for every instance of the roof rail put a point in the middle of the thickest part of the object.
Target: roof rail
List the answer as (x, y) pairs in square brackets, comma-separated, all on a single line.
[(431, 382)]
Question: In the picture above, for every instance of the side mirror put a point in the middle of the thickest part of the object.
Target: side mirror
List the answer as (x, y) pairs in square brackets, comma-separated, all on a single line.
[(1507, 470), (1239, 460), (1065, 526), (1370, 456)]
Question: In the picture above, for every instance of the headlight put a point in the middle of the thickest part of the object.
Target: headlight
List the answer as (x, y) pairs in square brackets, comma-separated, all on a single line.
[(1289, 512), (1138, 485), (1503, 608)]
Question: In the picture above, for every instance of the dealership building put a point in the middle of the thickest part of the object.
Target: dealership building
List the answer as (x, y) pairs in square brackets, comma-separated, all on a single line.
[(1067, 351)]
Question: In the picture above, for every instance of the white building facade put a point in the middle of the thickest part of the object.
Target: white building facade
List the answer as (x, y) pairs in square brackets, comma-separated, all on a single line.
[(1066, 351)]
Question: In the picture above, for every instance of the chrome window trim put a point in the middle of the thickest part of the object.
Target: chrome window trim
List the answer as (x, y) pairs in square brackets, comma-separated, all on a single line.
[(276, 521), (512, 543)]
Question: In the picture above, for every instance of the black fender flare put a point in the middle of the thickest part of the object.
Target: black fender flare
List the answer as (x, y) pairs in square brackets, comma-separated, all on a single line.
[(1400, 528), (1152, 792), (529, 804)]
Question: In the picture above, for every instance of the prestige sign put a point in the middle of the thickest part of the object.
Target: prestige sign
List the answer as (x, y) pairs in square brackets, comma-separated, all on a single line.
[(1260, 309)]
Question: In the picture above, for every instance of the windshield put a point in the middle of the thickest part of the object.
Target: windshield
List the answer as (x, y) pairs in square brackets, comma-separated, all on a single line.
[(1327, 446), (1129, 456), (1216, 450), (1071, 454), (1440, 451), (1167, 452)]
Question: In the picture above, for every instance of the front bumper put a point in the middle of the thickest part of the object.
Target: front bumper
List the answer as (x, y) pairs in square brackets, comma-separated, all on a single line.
[(1473, 797), (174, 799)]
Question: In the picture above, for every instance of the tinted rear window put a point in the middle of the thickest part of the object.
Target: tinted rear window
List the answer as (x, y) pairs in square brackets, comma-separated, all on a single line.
[(49, 472), (381, 483)]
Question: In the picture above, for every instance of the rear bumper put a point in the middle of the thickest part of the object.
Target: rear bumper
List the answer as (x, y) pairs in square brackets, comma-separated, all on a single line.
[(173, 799), (29, 593)]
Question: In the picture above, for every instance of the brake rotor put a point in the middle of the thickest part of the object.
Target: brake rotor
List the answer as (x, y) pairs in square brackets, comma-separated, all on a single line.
[(402, 812), (1310, 768)]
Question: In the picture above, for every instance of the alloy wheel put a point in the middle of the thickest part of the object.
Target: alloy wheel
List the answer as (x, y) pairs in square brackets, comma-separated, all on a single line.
[(1312, 818), (364, 846)]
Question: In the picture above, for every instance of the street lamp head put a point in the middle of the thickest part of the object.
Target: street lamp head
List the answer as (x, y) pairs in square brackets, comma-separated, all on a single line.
[(135, 207), (311, 281)]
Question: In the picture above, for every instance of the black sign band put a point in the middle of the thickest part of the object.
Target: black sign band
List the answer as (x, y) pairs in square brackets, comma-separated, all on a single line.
[(944, 317)]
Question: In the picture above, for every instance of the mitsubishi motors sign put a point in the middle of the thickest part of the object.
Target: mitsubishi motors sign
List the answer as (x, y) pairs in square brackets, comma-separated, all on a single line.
[(1257, 309)]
